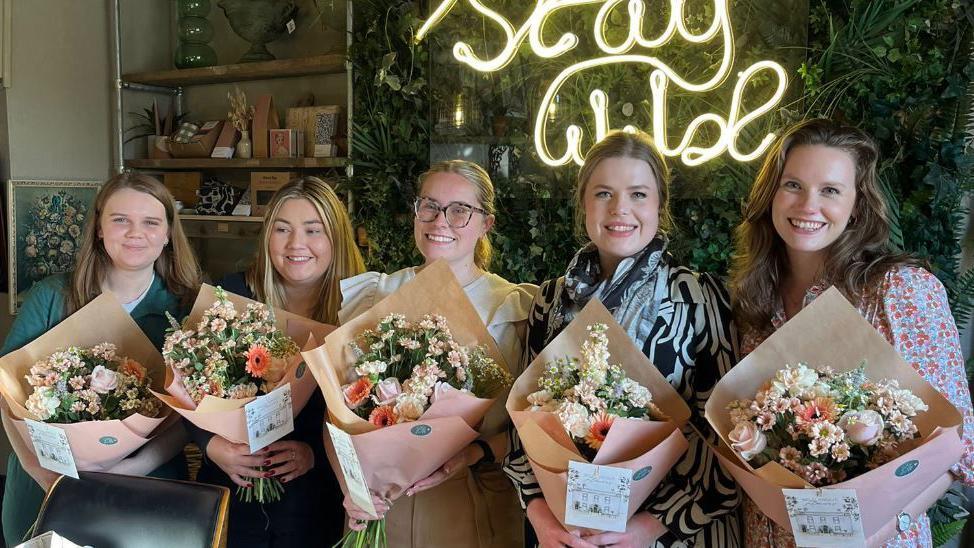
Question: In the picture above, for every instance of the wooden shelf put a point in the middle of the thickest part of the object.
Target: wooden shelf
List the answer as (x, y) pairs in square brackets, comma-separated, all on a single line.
[(236, 163), (222, 218), (279, 68)]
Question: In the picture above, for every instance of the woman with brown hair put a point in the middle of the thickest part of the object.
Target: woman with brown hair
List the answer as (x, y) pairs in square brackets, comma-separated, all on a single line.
[(815, 218), (454, 213), (133, 247), (680, 320), (306, 247)]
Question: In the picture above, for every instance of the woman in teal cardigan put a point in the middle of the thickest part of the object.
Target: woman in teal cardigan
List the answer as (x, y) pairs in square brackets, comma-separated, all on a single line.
[(133, 247)]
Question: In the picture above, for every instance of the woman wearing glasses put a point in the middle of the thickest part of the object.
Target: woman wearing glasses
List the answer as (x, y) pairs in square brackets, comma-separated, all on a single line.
[(454, 213)]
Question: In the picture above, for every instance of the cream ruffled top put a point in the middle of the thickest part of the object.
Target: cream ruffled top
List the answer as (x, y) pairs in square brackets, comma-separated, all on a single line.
[(502, 305)]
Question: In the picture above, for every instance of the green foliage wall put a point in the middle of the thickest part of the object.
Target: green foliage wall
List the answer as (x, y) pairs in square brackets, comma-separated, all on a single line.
[(899, 69)]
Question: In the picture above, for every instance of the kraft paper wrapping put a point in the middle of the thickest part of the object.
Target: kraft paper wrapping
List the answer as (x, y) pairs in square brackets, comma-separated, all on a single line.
[(633, 444), (830, 331), (226, 417), (395, 457), (96, 445)]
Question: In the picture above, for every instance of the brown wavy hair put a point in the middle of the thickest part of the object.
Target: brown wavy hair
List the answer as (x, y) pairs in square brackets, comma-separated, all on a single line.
[(856, 261), (346, 261), (476, 176), (176, 265), (622, 144)]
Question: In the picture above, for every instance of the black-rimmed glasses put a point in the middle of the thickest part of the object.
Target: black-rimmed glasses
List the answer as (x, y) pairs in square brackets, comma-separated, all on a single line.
[(457, 214)]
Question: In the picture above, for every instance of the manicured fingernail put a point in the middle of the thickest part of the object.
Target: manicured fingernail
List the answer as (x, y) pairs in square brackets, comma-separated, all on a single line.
[(269, 473), (267, 463), (284, 480), (250, 485)]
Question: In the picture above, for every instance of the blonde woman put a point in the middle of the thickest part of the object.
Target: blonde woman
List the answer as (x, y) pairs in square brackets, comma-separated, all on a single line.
[(467, 502), (133, 246), (680, 320), (816, 217), (305, 247)]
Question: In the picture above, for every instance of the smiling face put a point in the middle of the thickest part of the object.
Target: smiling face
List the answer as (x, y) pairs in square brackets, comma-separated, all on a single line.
[(299, 247), (438, 240), (814, 201), (133, 228), (621, 201)]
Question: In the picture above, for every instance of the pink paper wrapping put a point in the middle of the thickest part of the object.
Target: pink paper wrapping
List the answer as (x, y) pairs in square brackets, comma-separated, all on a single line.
[(631, 443), (226, 417), (96, 445), (395, 457), (830, 331)]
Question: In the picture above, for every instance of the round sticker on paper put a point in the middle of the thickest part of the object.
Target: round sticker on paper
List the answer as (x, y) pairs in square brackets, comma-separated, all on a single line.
[(907, 468), (299, 372), (641, 473), (421, 430), (108, 440)]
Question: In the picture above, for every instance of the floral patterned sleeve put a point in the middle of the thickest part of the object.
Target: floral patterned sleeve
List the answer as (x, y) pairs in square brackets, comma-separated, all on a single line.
[(924, 333)]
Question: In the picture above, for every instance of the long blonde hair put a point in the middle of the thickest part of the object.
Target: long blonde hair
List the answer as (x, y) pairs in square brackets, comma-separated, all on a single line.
[(176, 264), (476, 176), (856, 260), (346, 261), (622, 144)]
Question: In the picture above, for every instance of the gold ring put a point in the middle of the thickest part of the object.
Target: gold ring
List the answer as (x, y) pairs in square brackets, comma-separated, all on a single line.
[(294, 455)]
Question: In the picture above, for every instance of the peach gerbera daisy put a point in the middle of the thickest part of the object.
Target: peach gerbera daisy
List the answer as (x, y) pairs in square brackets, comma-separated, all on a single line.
[(357, 392), (258, 360), (383, 416), (599, 430), (133, 368)]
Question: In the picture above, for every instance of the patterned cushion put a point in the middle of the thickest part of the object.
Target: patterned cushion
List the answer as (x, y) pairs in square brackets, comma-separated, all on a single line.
[(217, 197)]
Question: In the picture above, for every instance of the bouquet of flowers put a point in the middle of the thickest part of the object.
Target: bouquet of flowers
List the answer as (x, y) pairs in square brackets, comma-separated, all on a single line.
[(89, 384), (873, 425), (407, 365), (822, 425), (410, 389), (229, 351), (587, 395), (591, 395), (95, 384)]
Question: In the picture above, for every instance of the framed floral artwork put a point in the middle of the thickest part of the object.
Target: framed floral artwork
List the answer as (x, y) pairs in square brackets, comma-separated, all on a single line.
[(46, 219)]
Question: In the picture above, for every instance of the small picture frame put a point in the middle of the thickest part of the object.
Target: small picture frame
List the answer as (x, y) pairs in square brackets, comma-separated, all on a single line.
[(47, 220), (263, 185)]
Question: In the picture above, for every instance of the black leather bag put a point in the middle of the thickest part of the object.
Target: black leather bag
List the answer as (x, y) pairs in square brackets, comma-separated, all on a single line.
[(116, 511)]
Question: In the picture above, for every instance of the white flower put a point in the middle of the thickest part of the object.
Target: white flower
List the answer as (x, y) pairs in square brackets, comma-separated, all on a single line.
[(748, 440), (371, 368), (795, 379), (575, 418), (103, 380), (409, 407), (862, 427), (43, 403)]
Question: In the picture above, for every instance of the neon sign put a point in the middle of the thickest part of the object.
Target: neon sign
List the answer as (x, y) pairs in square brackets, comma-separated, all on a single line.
[(661, 77)]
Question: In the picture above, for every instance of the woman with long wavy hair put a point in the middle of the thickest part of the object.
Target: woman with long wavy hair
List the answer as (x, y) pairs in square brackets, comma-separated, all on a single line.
[(816, 218), (305, 248), (133, 247)]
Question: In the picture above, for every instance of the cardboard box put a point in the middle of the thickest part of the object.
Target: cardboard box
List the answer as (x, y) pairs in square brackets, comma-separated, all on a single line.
[(265, 119), (287, 143), (199, 145), (322, 126), (226, 143), (183, 185), (263, 185), (159, 147)]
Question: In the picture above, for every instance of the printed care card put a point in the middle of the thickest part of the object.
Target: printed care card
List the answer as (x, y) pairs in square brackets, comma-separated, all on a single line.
[(598, 496), (269, 418), (825, 517), (51, 447), (358, 490)]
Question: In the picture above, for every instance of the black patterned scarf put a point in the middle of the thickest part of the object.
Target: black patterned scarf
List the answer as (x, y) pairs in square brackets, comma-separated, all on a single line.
[(627, 295)]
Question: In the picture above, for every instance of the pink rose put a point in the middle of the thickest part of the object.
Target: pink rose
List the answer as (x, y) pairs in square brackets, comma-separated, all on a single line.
[(862, 427), (103, 380), (387, 390), (440, 389), (748, 439)]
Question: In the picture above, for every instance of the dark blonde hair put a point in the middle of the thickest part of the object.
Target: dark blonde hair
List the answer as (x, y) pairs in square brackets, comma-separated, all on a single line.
[(622, 144), (856, 261), (346, 261), (176, 264), (476, 176)]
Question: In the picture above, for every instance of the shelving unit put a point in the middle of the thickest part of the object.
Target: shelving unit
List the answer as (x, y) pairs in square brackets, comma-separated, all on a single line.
[(265, 70), (236, 163)]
